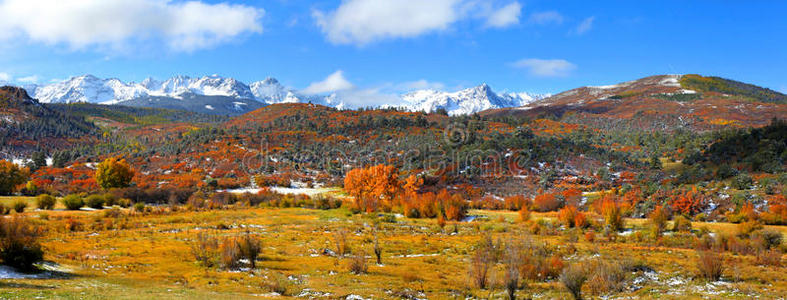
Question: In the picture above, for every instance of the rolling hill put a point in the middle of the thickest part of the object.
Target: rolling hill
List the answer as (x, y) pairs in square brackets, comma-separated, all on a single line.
[(664, 102)]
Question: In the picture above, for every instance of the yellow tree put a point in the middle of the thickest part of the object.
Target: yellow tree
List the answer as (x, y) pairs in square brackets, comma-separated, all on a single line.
[(114, 173), (11, 175)]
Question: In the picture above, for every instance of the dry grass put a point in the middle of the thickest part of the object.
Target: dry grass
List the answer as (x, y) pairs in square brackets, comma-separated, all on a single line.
[(125, 254)]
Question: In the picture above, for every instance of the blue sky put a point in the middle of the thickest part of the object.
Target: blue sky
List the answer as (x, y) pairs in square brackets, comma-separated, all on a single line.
[(396, 45)]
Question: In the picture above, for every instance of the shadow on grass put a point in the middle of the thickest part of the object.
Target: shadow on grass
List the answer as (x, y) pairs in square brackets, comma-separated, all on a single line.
[(12, 285)]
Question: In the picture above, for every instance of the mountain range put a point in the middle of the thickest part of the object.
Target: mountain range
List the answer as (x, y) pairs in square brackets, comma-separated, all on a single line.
[(223, 95)]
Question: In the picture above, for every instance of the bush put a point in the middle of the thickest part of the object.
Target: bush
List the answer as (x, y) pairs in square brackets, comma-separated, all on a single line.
[(746, 228), (4, 210), (45, 201), (73, 202), (742, 182), (230, 254), (547, 202), (110, 199), (340, 239), (250, 247), (767, 238), (710, 265), (524, 214), (613, 214), (19, 245), (658, 219), (357, 264), (205, 249), (573, 277), (606, 276), (278, 284), (770, 258), (139, 207), (480, 263), (95, 201), (19, 206), (567, 214), (681, 224)]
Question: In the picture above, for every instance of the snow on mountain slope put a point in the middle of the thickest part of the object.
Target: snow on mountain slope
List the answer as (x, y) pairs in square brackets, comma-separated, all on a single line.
[(88, 88), (466, 101), (270, 91)]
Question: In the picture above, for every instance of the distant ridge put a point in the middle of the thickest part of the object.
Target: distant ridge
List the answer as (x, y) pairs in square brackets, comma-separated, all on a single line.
[(167, 93)]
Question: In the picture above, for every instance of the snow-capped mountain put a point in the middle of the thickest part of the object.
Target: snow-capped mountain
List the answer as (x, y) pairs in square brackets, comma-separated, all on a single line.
[(88, 88), (270, 91), (466, 101)]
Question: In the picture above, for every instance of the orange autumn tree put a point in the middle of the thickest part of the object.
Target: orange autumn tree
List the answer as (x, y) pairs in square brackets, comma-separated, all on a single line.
[(372, 187), (114, 173)]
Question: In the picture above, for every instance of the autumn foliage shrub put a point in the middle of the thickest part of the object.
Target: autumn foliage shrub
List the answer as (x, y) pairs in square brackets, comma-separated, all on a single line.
[(19, 245), (205, 249), (73, 202), (95, 201), (710, 265), (681, 224), (546, 202), (357, 263), (516, 202), (573, 277), (19, 206), (612, 213), (570, 216), (250, 247), (658, 219), (689, 202), (45, 201)]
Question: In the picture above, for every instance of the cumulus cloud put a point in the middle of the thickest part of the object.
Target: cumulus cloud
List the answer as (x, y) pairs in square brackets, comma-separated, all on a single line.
[(371, 97), (505, 16), (5, 76), (585, 26), (333, 83), (545, 67), (181, 26), (546, 17), (364, 21), (361, 22)]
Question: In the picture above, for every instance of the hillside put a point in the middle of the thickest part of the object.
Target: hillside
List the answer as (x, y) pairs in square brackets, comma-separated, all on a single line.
[(665, 102), (27, 126)]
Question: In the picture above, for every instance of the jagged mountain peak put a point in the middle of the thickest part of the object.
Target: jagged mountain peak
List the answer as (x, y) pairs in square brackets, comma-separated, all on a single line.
[(89, 88)]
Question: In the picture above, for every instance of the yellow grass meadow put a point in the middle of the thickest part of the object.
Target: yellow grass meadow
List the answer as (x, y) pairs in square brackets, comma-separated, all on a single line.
[(121, 253)]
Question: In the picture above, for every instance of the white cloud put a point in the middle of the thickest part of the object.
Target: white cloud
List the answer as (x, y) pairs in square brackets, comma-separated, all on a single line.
[(505, 16), (181, 26), (5, 76), (28, 79), (546, 17), (372, 97), (420, 85), (545, 67), (332, 83), (364, 21), (585, 26)]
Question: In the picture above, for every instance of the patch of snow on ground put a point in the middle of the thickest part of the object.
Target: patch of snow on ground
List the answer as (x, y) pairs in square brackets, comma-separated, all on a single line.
[(671, 81)]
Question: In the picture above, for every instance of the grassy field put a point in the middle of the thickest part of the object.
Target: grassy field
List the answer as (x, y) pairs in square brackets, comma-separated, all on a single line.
[(149, 255)]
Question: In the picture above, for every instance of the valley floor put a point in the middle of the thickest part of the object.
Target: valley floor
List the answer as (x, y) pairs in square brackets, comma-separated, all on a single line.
[(98, 255)]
